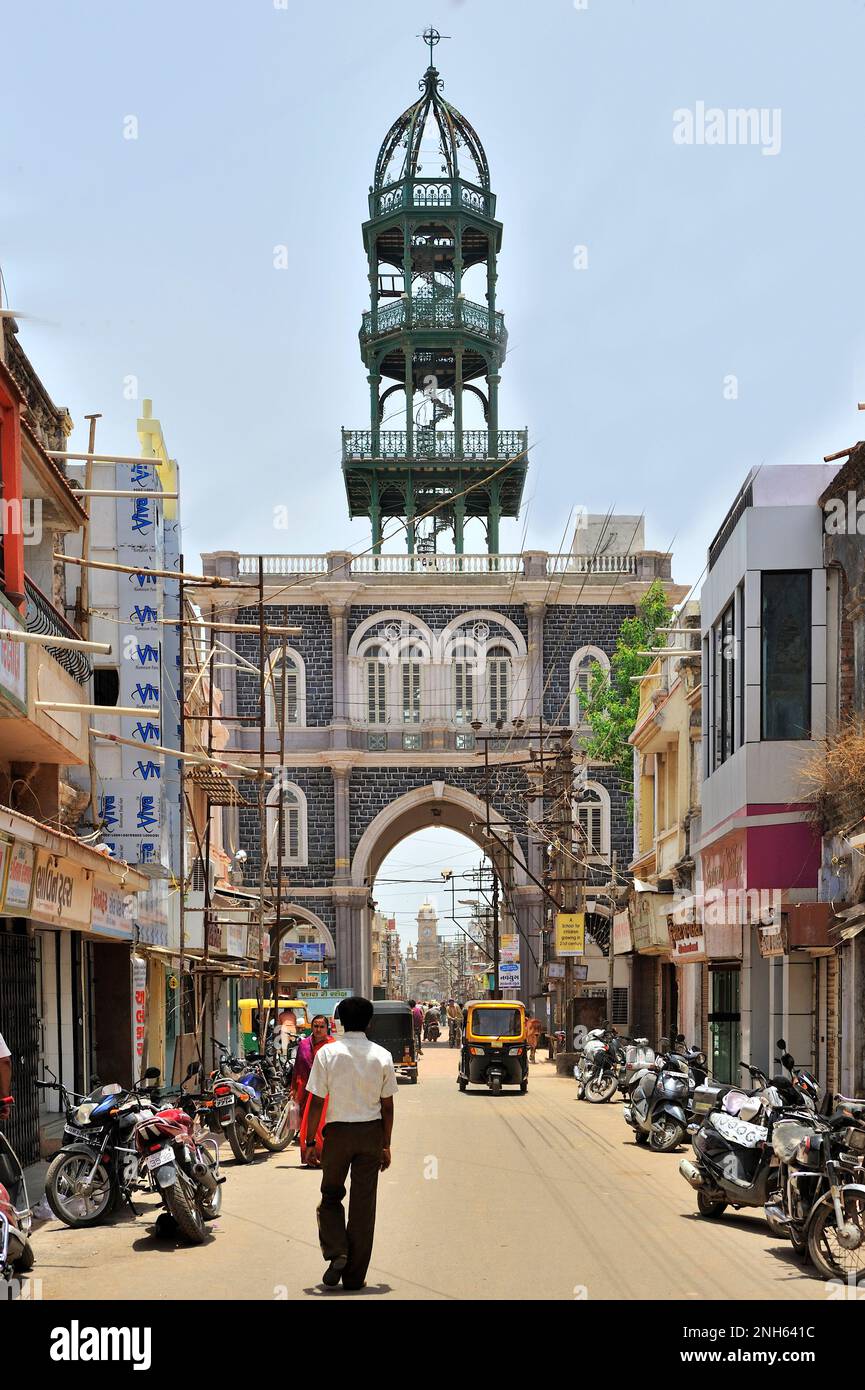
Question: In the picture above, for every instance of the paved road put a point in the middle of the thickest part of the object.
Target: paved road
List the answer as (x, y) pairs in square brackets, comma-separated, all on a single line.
[(487, 1197)]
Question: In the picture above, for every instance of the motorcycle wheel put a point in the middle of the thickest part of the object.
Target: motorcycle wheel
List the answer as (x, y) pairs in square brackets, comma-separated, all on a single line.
[(600, 1089), (640, 1137), (70, 1208), (828, 1257), (211, 1203), (183, 1207), (462, 1083), (708, 1206), (25, 1261), (667, 1139), (242, 1142), (282, 1133)]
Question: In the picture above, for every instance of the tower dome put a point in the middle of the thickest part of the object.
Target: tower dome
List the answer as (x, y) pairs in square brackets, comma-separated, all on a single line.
[(433, 336), (431, 139)]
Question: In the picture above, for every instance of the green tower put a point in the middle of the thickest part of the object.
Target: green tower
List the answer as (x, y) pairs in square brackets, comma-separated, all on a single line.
[(434, 455)]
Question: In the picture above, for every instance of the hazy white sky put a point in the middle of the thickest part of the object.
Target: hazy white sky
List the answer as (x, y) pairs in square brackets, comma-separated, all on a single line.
[(148, 264)]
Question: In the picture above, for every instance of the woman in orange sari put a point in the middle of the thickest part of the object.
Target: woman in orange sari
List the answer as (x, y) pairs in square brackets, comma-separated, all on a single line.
[(302, 1067)]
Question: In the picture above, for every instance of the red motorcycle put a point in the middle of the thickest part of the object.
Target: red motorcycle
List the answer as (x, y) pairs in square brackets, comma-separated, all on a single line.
[(183, 1169)]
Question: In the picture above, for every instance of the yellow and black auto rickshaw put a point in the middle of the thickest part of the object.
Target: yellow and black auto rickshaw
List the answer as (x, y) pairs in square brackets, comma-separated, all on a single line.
[(298, 1019), (494, 1051)]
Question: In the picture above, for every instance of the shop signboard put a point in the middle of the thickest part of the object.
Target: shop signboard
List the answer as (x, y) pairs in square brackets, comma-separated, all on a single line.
[(509, 976), (112, 911), (19, 879), (556, 970), (322, 1001), (622, 941), (570, 936), (62, 892), (509, 947), (290, 952), (13, 661), (649, 922), (139, 1007), (772, 939)]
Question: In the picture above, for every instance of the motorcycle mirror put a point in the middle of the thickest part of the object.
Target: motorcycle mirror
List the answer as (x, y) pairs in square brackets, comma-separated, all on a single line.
[(152, 1074), (788, 1061), (192, 1070), (781, 1044), (680, 1037)]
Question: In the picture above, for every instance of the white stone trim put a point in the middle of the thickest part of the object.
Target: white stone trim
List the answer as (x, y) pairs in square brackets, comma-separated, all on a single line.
[(269, 703), (282, 784), (577, 660), (604, 849)]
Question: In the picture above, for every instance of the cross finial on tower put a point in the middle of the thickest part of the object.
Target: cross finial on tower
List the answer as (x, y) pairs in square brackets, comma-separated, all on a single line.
[(431, 37)]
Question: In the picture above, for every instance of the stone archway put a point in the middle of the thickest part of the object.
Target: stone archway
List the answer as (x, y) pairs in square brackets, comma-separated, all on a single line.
[(436, 803)]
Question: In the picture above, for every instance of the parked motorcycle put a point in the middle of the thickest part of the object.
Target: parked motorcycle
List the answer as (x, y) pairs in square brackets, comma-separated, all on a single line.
[(183, 1170), (660, 1103), (594, 1044), (16, 1252), (604, 1069), (433, 1030), (820, 1200), (734, 1160), (253, 1101), (97, 1165)]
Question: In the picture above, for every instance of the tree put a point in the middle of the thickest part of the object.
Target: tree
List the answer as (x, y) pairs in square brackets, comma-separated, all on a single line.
[(614, 699)]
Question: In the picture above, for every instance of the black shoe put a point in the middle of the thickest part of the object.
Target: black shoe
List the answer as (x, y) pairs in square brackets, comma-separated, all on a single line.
[(353, 1288), (333, 1273)]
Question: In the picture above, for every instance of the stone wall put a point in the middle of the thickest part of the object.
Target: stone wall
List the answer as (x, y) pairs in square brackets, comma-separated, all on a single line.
[(314, 646), (567, 628)]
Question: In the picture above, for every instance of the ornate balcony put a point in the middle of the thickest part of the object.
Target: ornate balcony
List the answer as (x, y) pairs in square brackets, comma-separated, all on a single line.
[(42, 616), (434, 311), (359, 446), (432, 193)]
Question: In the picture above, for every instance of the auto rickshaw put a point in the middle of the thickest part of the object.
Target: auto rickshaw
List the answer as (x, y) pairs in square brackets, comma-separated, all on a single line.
[(494, 1050), (249, 1019), (392, 1027)]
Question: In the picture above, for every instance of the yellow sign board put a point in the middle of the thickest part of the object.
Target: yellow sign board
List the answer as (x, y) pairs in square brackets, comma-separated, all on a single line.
[(570, 934)]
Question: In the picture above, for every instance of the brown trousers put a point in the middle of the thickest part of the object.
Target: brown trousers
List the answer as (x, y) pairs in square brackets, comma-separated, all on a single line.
[(355, 1149)]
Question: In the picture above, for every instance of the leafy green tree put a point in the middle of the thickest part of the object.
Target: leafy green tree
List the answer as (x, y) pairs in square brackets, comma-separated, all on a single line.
[(614, 699)]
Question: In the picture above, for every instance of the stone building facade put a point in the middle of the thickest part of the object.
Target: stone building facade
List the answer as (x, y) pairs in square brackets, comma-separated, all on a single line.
[(376, 738)]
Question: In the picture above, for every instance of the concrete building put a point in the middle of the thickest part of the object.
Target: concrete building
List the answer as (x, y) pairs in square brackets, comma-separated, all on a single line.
[(764, 617)]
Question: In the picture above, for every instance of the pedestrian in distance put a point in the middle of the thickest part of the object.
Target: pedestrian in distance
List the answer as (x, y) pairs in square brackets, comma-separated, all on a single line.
[(417, 1017), (533, 1036), (358, 1080), (306, 1054)]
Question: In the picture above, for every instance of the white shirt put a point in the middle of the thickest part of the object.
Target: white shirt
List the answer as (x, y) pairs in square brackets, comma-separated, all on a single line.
[(4, 1051), (354, 1074)]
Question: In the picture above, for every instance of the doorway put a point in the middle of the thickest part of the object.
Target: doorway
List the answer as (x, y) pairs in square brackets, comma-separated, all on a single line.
[(724, 1024)]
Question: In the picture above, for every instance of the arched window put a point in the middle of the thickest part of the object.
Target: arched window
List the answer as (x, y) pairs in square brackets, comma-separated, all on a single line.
[(592, 814), (294, 832), (498, 684), (582, 663), (285, 689), (463, 684), (410, 685), (375, 668)]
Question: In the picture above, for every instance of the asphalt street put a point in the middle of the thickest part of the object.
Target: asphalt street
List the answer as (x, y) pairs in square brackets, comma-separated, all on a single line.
[(488, 1197)]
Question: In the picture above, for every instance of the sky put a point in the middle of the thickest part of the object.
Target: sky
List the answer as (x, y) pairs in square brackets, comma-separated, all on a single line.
[(678, 312)]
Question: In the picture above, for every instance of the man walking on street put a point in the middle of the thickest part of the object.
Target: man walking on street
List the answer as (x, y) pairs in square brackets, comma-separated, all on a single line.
[(358, 1080), (417, 1023)]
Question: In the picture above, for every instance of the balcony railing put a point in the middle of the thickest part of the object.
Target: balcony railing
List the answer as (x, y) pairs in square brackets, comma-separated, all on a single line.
[(535, 565), (432, 193), (42, 616), (433, 311), (592, 564), (358, 445), (436, 564)]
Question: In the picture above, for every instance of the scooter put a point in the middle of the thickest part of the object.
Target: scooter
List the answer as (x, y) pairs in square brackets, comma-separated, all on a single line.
[(660, 1104), (16, 1252), (734, 1160)]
